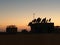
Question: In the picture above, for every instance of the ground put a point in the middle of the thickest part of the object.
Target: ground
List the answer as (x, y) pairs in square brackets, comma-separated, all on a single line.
[(30, 39)]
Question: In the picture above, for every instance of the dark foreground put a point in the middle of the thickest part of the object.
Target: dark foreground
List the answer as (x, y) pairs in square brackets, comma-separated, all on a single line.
[(30, 39)]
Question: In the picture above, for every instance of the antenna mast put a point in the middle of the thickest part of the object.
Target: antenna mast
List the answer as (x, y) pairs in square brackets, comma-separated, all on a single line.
[(33, 15)]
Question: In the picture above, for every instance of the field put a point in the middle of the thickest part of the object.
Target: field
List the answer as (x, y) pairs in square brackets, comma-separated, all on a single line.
[(30, 39)]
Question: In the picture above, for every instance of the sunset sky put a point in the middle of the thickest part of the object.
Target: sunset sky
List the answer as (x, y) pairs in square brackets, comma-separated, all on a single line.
[(20, 12)]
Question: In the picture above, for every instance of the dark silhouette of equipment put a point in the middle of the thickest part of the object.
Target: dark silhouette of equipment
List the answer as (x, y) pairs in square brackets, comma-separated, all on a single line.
[(38, 20), (44, 20), (34, 21), (49, 19), (41, 26)]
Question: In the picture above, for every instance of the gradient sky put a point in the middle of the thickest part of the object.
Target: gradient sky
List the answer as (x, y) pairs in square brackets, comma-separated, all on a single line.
[(20, 12)]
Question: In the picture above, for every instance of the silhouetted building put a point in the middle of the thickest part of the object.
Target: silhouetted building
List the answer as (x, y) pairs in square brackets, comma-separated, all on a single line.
[(11, 29), (42, 26)]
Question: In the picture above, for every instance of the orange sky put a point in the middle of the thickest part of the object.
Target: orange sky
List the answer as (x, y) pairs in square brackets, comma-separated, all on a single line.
[(20, 12)]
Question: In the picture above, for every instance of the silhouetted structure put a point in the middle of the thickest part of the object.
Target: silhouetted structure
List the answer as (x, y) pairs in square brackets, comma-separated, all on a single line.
[(44, 20), (49, 19), (34, 21), (11, 29), (41, 26), (57, 29), (24, 31), (38, 20)]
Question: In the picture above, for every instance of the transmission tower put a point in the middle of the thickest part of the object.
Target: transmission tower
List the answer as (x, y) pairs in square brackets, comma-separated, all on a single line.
[(33, 15)]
